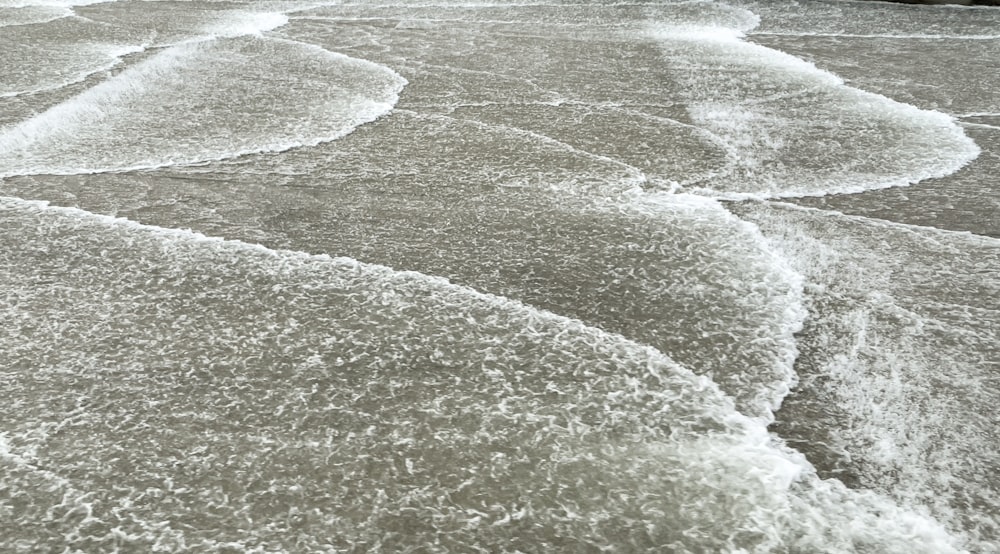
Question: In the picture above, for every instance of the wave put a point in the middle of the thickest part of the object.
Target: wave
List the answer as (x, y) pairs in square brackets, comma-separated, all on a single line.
[(244, 23), (30, 15), (421, 410), (77, 50), (822, 138), (757, 369), (93, 46), (113, 55), (898, 340), (858, 18), (268, 95), (406, 402), (46, 4), (693, 281), (575, 21)]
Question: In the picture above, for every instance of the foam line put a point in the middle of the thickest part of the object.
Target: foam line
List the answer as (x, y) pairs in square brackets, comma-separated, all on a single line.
[(766, 167), (769, 397), (896, 312), (39, 19), (980, 125), (636, 177), (945, 233), (977, 114), (762, 485), (943, 6), (82, 76), (246, 23), (59, 140), (880, 36), (69, 4), (340, 262)]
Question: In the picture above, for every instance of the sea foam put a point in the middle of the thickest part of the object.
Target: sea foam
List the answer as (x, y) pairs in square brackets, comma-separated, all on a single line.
[(795, 130), (901, 339), (227, 89), (403, 395)]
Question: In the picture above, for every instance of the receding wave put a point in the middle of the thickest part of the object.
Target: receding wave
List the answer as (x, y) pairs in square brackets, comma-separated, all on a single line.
[(78, 50), (406, 403), (794, 130), (891, 363), (203, 101), (166, 390)]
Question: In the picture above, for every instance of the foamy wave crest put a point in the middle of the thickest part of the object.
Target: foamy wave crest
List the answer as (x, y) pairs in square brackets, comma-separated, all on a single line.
[(245, 23), (74, 49), (795, 130), (204, 101), (898, 352), (84, 61), (27, 15), (406, 404), (47, 3), (757, 369)]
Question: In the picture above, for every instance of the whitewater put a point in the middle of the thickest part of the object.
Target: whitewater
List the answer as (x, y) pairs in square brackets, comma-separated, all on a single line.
[(322, 276)]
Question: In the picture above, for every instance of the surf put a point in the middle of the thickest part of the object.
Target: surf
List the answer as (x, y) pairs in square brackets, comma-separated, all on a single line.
[(554, 405), (425, 406), (774, 151), (334, 95)]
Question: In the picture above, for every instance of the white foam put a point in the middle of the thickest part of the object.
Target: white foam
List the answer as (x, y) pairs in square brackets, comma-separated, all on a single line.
[(96, 130), (746, 485), (10, 17), (696, 33), (48, 3), (898, 340), (761, 393), (902, 36), (749, 492), (245, 23), (113, 53), (775, 138)]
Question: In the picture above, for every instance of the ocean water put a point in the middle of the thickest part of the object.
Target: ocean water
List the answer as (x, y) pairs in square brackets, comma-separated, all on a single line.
[(540, 276)]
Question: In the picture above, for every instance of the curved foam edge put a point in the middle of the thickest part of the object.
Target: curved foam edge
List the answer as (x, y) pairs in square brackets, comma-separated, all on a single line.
[(46, 14), (959, 151), (246, 23), (781, 489), (892, 324), (340, 262), (769, 398), (886, 36), (116, 54), (862, 183), (964, 235), (785, 474), (108, 99)]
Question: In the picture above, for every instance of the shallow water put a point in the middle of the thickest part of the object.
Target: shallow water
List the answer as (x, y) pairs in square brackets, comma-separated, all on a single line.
[(685, 277)]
